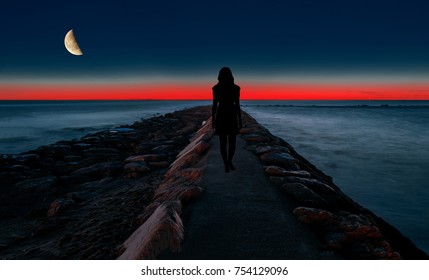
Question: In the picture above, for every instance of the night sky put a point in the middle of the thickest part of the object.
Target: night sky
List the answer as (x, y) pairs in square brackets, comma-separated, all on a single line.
[(291, 48)]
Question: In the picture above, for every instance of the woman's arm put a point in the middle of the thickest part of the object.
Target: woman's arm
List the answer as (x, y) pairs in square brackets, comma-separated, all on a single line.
[(238, 110), (214, 108)]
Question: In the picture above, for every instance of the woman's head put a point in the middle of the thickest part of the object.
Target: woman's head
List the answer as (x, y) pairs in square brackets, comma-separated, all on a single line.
[(225, 76)]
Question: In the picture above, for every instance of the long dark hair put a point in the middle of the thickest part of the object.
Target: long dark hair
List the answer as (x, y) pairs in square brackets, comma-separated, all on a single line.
[(225, 76)]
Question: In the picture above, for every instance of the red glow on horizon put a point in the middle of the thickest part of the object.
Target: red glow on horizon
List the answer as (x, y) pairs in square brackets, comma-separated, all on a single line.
[(249, 91)]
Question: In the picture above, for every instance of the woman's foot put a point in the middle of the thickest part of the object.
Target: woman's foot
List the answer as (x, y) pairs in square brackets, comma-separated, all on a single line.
[(226, 168)]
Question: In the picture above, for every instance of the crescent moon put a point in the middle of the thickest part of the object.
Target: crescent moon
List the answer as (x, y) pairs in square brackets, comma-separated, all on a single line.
[(71, 44)]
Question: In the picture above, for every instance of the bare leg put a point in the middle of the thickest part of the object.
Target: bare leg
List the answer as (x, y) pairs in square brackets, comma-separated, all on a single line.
[(223, 151)]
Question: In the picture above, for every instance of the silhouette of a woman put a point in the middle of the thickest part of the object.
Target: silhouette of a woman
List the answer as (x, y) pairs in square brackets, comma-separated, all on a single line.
[(226, 115)]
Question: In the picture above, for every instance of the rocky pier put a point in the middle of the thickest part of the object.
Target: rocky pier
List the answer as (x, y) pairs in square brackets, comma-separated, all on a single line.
[(137, 192)]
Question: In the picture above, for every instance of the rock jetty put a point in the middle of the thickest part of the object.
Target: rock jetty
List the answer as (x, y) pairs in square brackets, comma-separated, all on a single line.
[(121, 194), (81, 198), (341, 223)]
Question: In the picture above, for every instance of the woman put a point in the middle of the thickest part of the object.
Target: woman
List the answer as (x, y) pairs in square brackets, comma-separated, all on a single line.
[(226, 115)]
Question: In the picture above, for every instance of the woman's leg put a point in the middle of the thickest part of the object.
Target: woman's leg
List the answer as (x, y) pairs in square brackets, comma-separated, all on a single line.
[(231, 149), (223, 151)]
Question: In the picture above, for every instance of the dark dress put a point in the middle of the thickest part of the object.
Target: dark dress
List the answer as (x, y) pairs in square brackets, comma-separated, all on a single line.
[(226, 109)]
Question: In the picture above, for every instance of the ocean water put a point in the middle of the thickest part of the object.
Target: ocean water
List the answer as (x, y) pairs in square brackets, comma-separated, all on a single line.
[(377, 154), (25, 125)]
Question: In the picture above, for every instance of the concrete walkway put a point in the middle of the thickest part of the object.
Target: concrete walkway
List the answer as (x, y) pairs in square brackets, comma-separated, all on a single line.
[(243, 216)]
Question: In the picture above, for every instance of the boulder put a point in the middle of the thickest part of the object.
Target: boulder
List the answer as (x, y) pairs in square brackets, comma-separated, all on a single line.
[(136, 166), (63, 168), (186, 161), (314, 184), (94, 172), (190, 193), (357, 236), (303, 195), (278, 171), (101, 151), (59, 205), (25, 158), (81, 146), (159, 164), (28, 159), (145, 158), (37, 184), (72, 158), (256, 138), (102, 169), (121, 130), (201, 147), (313, 216), (18, 168), (357, 226), (60, 150), (247, 130), (138, 158), (283, 160), (136, 169), (77, 196), (260, 150), (90, 139), (164, 149)]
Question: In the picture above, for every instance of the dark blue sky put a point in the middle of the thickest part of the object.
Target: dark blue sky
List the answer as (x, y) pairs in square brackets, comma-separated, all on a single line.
[(193, 39)]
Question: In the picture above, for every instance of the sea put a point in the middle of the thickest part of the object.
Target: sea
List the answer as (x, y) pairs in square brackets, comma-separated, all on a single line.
[(376, 151)]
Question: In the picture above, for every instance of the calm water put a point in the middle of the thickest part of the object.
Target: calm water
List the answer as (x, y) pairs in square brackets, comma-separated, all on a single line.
[(26, 125), (378, 155)]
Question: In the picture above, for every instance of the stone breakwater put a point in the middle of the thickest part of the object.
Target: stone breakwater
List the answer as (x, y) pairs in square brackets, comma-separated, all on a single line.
[(162, 226), (120, 194), (341, 224), (80, 199)]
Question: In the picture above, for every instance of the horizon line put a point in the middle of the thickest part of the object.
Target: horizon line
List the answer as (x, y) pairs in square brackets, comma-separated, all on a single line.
[(209, 99), (203, 92)]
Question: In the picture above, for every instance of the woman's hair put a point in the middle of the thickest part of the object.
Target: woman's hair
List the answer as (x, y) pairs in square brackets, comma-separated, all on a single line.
[(225, 76)]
